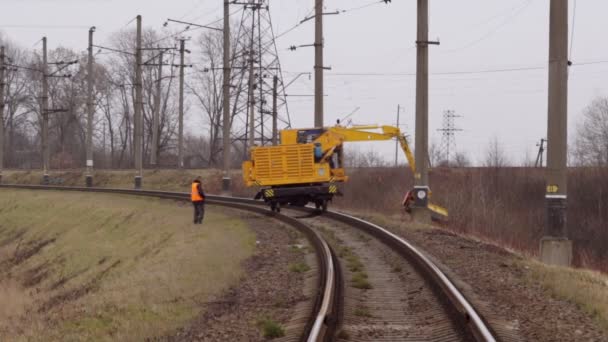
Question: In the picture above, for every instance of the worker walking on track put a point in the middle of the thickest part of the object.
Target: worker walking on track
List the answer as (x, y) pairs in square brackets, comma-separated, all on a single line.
[(198, 200)]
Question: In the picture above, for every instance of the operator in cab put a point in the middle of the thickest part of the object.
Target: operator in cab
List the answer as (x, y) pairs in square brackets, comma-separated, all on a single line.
[(318, 152), (198, 200)]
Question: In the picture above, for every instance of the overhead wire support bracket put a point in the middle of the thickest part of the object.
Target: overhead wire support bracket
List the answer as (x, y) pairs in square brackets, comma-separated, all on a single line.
[(114, 50), (192, 24), (314, 16), (428, 42)]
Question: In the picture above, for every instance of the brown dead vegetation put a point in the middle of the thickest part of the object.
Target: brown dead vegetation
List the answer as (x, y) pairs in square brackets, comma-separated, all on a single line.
[(503, 205)]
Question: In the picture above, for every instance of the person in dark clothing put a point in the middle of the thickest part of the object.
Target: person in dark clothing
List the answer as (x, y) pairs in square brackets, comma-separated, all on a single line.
[(198, 200)]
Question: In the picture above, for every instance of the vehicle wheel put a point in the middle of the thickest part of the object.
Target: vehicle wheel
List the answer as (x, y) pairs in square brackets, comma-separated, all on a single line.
[(273, 206), (318, 205), (324, 206), (278, 207)]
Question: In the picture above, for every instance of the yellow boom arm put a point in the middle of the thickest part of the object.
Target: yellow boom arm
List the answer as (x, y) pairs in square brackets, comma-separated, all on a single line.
[(335, 136)]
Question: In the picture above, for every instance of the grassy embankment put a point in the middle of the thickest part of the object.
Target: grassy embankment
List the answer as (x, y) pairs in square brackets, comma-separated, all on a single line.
[(80, 267)]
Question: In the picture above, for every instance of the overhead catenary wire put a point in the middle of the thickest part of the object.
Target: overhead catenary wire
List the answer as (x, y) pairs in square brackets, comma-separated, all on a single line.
[(490, 33), (357, 8), (190, 29), (572, 32), (463, 72)]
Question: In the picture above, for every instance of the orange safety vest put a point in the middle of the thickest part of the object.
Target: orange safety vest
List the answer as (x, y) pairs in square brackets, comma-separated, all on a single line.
[(195, 196)]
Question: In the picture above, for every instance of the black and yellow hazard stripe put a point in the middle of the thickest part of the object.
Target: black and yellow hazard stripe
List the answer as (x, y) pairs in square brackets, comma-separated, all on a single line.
[(268, 193), (333, 189)]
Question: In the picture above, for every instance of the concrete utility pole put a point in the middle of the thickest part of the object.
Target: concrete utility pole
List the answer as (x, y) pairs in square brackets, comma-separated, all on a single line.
[(2, 82), (45, 115), (319, 68), (421, 178), (555, 248), (138, 120), (156, 118), (275, 114), (397, 142), (226, 186), (90, 112), (180, 137), (250, 88)]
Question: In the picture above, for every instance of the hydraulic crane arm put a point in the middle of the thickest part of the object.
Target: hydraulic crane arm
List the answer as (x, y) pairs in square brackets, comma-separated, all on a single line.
[(336, 136)]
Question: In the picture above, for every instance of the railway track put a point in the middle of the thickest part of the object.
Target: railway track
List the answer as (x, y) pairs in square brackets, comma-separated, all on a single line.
[(380, 294)]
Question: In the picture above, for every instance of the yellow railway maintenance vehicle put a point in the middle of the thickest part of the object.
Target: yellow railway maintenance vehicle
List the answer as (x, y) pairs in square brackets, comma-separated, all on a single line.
[(308, 165)]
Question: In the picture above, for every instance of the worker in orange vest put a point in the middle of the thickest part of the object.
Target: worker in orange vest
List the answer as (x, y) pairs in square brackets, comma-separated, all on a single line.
[(198, 200)]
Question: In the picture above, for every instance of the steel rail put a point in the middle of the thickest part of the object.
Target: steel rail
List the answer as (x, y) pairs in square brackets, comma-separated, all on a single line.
[(323, 321)]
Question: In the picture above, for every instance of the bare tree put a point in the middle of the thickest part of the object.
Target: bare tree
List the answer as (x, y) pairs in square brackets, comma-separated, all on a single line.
[(591, 144), (207, 90), (495, 155), (461, 160), (16, 113)]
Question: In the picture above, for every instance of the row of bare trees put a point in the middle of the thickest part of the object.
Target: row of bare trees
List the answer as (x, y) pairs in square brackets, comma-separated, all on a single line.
[(114, 98), (114, 94)]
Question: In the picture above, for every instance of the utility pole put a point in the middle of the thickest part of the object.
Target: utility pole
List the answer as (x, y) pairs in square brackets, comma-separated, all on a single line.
[(156, 118), (260, 54), (180, 138), (555, 248), (250, 88), (319, 63), (45, 115), (105, 159), (275, 114), (226, 186), (138, 120), (2, 82), (421, 177), (90, 112)]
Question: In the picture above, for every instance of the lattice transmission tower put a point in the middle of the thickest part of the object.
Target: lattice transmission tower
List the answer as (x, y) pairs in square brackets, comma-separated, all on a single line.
[(448, 135), (256, 61)]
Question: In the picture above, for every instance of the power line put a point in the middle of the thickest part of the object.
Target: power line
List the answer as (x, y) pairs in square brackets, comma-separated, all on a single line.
[(488, 34), (356, 8), (572, 33), (464, 72), (60, 27), (190, 29)]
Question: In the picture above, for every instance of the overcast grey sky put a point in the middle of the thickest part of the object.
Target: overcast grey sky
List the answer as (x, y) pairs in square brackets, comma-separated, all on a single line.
[(371, 52)]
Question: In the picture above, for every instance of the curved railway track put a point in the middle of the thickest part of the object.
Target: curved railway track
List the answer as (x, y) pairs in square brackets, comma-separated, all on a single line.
[(456, 318)]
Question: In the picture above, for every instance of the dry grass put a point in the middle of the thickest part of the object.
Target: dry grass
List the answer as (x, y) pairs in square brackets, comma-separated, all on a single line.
[(587, 289), (116, 267), (503, 205)]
